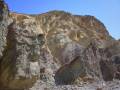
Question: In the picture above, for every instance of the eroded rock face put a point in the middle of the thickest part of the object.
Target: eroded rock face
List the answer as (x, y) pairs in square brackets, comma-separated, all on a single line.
[(4, 22), (115, 50), (98, 62), (93, 63), (54, 48), (26, 54)]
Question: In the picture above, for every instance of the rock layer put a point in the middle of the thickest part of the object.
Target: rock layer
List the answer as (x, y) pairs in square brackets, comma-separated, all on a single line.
[(56, 48)]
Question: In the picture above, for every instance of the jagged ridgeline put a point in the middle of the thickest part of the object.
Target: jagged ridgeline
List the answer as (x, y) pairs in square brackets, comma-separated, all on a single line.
[(55, 48)]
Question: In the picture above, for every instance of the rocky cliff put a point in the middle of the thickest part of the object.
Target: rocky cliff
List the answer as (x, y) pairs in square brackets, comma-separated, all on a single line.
[(56, 48)]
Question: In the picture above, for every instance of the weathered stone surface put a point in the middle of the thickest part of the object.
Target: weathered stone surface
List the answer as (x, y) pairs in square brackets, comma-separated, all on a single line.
[(68, 73), (93, 63), (99, 62), (4, 22), (55, 48), (115, 50), (25, 55)]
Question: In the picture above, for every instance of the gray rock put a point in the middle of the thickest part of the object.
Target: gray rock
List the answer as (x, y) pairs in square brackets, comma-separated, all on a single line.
[(40, 51), (4, 22)]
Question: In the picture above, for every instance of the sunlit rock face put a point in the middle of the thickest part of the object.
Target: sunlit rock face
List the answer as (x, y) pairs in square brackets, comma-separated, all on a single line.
[(55, 48), (26, 54)]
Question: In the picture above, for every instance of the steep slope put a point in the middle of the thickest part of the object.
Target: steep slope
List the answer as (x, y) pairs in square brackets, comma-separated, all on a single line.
[(54, 48), (4, 22)]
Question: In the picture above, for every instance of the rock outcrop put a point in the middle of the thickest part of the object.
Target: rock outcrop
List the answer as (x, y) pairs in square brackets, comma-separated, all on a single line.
[(93, 62), (55, 48), (4, 22), (115, 50)]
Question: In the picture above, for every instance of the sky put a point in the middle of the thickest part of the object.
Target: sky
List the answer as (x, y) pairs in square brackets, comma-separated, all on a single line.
[(107, 11)]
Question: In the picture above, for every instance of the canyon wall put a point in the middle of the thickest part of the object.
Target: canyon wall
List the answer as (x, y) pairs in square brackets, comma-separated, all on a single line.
[(56, 48)]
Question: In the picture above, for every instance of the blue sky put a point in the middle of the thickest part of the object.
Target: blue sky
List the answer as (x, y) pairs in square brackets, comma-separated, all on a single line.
[(108, 11)]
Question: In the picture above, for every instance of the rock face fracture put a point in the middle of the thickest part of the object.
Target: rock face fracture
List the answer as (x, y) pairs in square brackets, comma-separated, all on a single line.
[(56, 51)]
